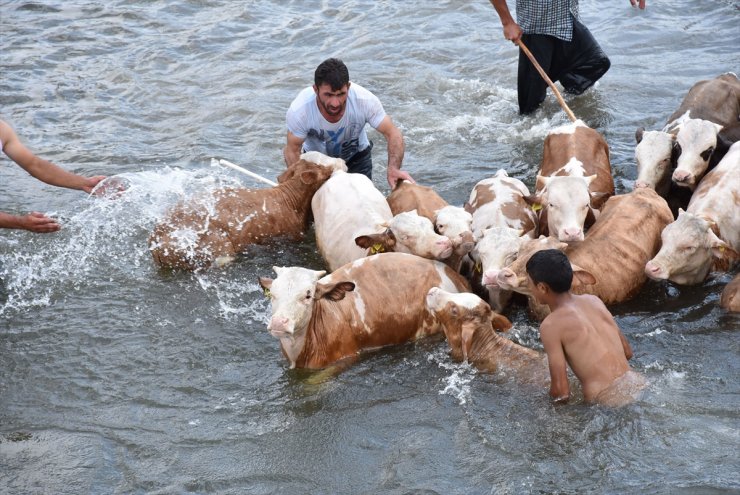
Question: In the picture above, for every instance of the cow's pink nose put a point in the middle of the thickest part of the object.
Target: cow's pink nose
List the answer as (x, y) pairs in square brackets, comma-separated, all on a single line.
[(641, 184), (681, 176), (278, 324), (572, 234), (506, 278), (490, 278)]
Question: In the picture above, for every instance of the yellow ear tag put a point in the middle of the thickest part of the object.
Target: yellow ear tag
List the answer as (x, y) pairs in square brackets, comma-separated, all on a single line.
[(478, 267), (721, 249), (377, 248), (536, 207), (267, 292)]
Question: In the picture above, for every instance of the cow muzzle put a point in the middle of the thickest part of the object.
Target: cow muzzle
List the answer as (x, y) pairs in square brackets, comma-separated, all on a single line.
[(281, 327)]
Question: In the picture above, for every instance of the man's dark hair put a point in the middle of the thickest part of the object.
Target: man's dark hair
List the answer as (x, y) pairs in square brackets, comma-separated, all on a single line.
[(333, 72), (552, 267)]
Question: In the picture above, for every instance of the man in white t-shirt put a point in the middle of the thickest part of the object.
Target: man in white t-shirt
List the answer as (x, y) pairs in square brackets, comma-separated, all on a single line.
[(330, 117)]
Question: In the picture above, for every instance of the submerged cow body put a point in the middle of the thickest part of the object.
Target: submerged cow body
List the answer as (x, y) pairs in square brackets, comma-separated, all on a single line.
[(574, 181), (361, 305), (695, 137), (707, 235), (352, 220), (214, 228), (499, 201), (730, 299), (610, 261)]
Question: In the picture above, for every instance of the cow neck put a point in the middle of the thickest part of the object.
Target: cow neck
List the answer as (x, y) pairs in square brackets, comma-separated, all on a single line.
[(314, 353), (293, 348), (297, 195), (490, 347)]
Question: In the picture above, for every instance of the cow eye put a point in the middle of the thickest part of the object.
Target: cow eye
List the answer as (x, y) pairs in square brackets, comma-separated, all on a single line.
[(707, 153), (308, 295)]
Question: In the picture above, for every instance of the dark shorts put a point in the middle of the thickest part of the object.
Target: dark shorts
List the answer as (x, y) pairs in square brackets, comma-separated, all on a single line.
[(362, 162), (577, 64)]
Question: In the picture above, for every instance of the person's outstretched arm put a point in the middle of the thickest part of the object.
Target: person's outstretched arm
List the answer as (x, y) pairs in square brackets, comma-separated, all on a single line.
[(512, 31), (559, 386), (42, 169)]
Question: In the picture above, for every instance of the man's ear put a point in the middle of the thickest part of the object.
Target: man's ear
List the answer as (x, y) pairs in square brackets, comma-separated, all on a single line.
[(315, 89)]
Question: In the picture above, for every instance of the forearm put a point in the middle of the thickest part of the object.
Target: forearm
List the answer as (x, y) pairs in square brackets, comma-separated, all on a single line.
[(290, 155), (396, 150), (503, 12), (8, 221), (55, 175)]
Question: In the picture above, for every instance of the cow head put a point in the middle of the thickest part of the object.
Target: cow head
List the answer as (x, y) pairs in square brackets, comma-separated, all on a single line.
[(292, 297), (567, 202), (688, 247), (655, 157), (313, 167), (455, 223), (514, 277), (461, 316), (496, 249), (697, 140), (408, 232)]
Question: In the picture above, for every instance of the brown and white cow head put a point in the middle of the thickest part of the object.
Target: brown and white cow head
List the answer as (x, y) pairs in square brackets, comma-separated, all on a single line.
[(461, 315), (689, 246), (313, 167), (696, 140), (566, 202), (455, 223), (515, 276), (408, 232), (293, 295), (496, 249), (655, 157)]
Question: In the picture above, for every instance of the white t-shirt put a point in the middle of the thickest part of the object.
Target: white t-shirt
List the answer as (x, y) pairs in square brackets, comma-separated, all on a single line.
[(342, 139)]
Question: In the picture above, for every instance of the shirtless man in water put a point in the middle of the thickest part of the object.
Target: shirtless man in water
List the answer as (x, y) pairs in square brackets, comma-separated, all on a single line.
[(580, 332)]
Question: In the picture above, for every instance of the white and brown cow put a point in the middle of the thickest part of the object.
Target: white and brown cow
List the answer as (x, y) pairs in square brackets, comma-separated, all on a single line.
[(450, 221), (352, 219), (495, 250), (372, 302), (610, 261), (692, 139), (499, 201), (470, 327), (707, 235), (730, 299), (574, 180), (215, 227)]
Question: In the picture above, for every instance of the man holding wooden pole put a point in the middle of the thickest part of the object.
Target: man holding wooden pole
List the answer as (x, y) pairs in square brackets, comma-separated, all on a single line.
[(562, 45)]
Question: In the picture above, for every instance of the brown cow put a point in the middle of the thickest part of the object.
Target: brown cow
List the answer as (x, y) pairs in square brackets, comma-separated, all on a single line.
[(371, 302), (730, 299), (575, 179), (610, 262), (470, 327), (450, 221), (213, 228)]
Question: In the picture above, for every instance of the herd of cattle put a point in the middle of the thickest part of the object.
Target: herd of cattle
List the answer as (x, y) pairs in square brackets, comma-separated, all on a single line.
[(679, 223)]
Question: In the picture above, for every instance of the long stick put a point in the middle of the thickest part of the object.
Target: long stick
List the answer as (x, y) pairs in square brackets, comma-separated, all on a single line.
[(547, 80), (245, 171)]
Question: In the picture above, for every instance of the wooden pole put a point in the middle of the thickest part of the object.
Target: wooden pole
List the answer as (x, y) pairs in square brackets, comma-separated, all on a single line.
[(245, 171), (547, 80)]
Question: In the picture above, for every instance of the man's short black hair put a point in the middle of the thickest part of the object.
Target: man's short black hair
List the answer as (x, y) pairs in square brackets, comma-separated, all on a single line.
[(552, 267), (333, 72)]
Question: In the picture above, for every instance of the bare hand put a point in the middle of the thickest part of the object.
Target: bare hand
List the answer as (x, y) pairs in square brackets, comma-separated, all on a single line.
[(641, 3), (513, 32), (394, 174), (91, 182), (39, 223), (108, 187)]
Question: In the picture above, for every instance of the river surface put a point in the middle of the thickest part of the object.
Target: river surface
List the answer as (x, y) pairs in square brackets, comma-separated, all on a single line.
[(117, 378)]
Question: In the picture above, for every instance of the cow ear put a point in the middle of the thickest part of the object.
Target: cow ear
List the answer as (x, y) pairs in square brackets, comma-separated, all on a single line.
[(638, 134), (720, 249), (333, 292), (582, 277), (590, 179), (287, 174), (540, 182), (499, 322), (309, 177), (467, 207)]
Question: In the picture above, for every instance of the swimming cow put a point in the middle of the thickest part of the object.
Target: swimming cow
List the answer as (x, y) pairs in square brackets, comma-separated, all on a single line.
[(371, 302), (214, 228)]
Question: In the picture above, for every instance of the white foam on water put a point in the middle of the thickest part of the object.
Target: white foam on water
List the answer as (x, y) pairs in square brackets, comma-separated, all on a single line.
[(457, 383), (102, 239)]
